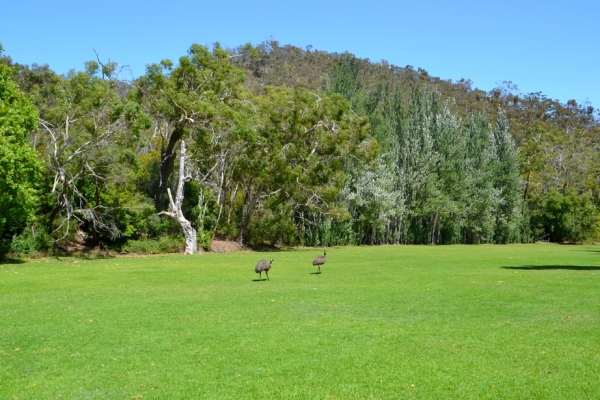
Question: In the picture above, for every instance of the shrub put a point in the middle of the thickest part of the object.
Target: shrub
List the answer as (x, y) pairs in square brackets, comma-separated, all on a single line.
[(31, 241), (564, 217), (162, 244)]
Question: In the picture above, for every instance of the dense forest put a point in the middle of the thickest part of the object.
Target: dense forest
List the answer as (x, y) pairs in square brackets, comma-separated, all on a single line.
[(273, 145)]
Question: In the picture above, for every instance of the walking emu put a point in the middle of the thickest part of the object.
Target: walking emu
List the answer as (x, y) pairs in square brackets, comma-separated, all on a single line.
[(263, 265), (318, 261)]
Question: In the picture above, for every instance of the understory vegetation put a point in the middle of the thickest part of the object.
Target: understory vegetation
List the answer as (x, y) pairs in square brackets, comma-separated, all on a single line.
[(274, 145)]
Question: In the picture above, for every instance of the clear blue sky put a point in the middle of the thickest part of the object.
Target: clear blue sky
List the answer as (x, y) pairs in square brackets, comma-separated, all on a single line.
[(549, 46)]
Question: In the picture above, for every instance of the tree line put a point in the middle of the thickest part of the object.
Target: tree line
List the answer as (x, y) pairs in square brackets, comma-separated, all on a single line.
[(270, 144)]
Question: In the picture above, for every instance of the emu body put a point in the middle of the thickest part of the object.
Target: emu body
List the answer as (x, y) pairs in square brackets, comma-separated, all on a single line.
[(320, 260), (265, 266)]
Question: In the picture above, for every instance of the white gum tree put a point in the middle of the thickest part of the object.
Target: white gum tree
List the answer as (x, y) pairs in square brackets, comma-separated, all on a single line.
[(175, 212)]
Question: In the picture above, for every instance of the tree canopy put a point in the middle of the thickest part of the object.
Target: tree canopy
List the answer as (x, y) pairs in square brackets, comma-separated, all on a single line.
[(290, 146), (19, 167)]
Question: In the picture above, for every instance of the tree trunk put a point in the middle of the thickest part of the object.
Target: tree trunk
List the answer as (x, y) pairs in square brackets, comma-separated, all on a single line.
[(246, 217), (167, 162), (60, 204), (191, 245), (189, 232), (432, 232), (220, 196)]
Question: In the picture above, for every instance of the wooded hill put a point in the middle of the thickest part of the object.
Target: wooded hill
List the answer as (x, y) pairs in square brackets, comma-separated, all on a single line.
[(288, 146)]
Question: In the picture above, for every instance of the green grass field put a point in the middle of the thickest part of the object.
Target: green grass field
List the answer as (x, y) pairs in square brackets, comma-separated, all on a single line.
[(392, 322)]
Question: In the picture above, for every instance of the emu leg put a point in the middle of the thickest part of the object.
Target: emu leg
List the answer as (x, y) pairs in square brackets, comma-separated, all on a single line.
[(267, 272)]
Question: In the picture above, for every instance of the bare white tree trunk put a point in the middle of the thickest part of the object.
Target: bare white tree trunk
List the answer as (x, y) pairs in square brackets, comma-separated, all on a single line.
[(189, 232)]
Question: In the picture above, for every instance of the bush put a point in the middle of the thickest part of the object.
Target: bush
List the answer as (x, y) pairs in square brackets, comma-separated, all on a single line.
[(271, 228), (203, 239), (564, 217), (31, 242), (163, 244)]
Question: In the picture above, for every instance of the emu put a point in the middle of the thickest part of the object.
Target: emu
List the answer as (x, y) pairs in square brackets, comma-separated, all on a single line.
[(263, 265), (320, 260)]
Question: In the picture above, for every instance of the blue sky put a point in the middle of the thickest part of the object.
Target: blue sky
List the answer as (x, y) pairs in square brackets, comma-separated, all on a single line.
[(548, 46)]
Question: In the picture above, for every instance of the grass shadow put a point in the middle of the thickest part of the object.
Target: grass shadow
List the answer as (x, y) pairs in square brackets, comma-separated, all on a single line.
[(274, 249), (315, 273), (554, 267), (259, 280), (284, 249), (11, 261)]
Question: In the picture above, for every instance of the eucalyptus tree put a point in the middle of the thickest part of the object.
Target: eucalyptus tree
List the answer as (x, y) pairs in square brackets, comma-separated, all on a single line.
[(560, 166), (85, 128), (176, 212), (19, 167), (297, 152), (195, 98)]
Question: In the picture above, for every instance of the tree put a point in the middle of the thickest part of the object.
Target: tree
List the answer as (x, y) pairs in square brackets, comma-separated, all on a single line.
[(417, 159), (176, 212), (297, 152), (507, 182), (85, 135), (564, 217), (374, 202), (447, 214), (196, 98), (482, 198), (19, 167)]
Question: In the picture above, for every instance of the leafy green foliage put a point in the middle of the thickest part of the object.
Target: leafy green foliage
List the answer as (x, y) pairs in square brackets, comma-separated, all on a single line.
[(32, 241), (199, 207), (300, 146), (303, 142), (87, 138), (159, 245), (197, 98), (19, 167), (439, 179), (564, 217)]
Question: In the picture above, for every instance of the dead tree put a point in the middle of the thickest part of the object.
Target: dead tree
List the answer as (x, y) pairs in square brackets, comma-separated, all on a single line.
[(188, 231)]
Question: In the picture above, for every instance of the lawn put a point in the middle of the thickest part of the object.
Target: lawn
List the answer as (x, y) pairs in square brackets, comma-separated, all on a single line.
[(389, 322)]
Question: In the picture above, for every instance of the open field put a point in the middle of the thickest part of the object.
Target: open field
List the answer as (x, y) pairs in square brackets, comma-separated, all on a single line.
[(390, 322)]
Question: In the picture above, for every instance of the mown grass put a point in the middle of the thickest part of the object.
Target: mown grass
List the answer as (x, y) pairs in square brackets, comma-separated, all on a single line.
[(427, 322)]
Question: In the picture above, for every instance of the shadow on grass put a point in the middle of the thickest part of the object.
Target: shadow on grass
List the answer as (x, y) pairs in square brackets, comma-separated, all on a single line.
[(284, 249), (553, 267), (315, 273), (11, 261), (259, 280)]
